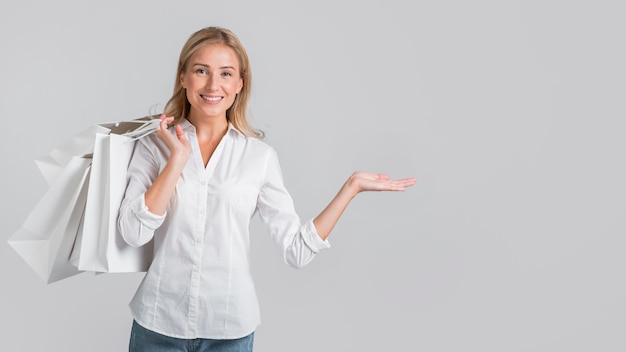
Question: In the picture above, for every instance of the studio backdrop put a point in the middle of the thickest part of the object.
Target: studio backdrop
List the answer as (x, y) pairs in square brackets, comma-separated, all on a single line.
[(510, 115)]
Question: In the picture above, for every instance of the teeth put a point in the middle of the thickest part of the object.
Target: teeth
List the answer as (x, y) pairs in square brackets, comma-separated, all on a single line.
[(211, 99)]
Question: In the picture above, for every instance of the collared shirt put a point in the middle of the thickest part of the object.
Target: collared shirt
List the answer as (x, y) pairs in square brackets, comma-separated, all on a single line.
[(199, 284)]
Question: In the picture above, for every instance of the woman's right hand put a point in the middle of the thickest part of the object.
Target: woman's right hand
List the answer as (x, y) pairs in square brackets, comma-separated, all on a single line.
[(160, 192), (179, 146)]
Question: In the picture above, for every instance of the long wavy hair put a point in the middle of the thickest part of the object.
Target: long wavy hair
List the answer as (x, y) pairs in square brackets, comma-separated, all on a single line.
[(178, 105)]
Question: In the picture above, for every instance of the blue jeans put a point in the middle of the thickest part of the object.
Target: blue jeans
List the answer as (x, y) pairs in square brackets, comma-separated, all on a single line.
[(144, 340)]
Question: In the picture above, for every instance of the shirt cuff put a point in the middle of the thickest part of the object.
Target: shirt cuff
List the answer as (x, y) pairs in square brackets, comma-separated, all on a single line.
[(147, 219), (312, 239)]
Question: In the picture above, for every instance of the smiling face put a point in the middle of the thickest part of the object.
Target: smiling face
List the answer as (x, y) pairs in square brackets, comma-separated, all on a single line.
[(211, 81)]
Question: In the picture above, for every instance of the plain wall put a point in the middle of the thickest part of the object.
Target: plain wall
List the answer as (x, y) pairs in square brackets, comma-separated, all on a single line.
[(509, 113)]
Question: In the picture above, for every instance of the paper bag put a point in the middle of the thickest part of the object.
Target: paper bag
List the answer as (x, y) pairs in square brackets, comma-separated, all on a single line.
[(53, 163), (47, 237), (50, 240), (102, 248)]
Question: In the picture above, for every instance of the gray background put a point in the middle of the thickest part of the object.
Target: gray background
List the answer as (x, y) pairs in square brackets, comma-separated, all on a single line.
[(509, 113)]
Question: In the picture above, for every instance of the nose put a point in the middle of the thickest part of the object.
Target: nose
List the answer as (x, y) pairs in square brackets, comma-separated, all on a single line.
[(211, 82)]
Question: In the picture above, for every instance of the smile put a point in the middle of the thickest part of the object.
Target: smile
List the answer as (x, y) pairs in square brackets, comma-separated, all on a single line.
[(211, 99)]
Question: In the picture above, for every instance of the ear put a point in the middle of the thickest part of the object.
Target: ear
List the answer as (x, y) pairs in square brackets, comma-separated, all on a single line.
[(182, 80)]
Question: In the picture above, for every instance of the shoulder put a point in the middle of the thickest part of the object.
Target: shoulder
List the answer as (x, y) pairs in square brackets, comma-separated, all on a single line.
[(252, 144), (153, 145), (150, 140), (258, 144)]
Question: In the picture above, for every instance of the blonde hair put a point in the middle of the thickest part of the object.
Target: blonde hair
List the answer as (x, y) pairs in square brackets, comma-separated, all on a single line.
[(178, 105)]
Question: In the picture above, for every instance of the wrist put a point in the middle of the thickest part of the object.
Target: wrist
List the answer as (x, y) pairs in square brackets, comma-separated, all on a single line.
[(178, 160), (350, 187)]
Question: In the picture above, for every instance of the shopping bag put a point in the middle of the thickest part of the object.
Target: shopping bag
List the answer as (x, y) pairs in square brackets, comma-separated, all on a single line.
[(50, 238), (101, 246), (51, 164), (47, 237)]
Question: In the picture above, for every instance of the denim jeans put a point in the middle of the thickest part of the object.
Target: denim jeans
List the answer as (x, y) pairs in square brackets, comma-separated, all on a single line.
[(144, 340)]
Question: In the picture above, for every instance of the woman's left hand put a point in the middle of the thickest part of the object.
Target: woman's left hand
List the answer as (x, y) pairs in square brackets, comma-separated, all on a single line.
[(366, 181)]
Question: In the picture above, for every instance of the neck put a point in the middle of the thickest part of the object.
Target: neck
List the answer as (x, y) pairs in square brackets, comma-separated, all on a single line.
[(209, 127)]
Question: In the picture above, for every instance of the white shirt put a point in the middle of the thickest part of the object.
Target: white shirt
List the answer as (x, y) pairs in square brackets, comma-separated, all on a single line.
[(199, 284)]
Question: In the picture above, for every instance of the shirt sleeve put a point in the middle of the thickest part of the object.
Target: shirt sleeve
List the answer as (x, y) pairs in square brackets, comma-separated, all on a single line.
[(135, 222), (299, 241)]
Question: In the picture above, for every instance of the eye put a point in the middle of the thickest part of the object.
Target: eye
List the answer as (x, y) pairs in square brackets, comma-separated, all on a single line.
[(201, 71), (226, 74)]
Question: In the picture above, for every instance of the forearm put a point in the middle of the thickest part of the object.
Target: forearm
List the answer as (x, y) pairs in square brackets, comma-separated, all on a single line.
[(358, 182), (327, 219), (136, 224), (158, 195)]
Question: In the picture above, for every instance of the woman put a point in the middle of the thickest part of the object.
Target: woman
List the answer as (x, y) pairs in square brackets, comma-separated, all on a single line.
[(193, 188)]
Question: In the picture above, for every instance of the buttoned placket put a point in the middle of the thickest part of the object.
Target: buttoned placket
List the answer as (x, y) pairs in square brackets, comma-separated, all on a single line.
[(198, 241), (199, 233), (197, 256)]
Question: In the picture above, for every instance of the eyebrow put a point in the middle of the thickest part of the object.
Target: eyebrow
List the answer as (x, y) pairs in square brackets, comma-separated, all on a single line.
[(207, 66)]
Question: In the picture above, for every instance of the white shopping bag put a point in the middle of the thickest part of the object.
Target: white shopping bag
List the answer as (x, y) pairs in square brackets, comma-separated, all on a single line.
[(102, 248), (50, 240), (53, 163), (47, 237)]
